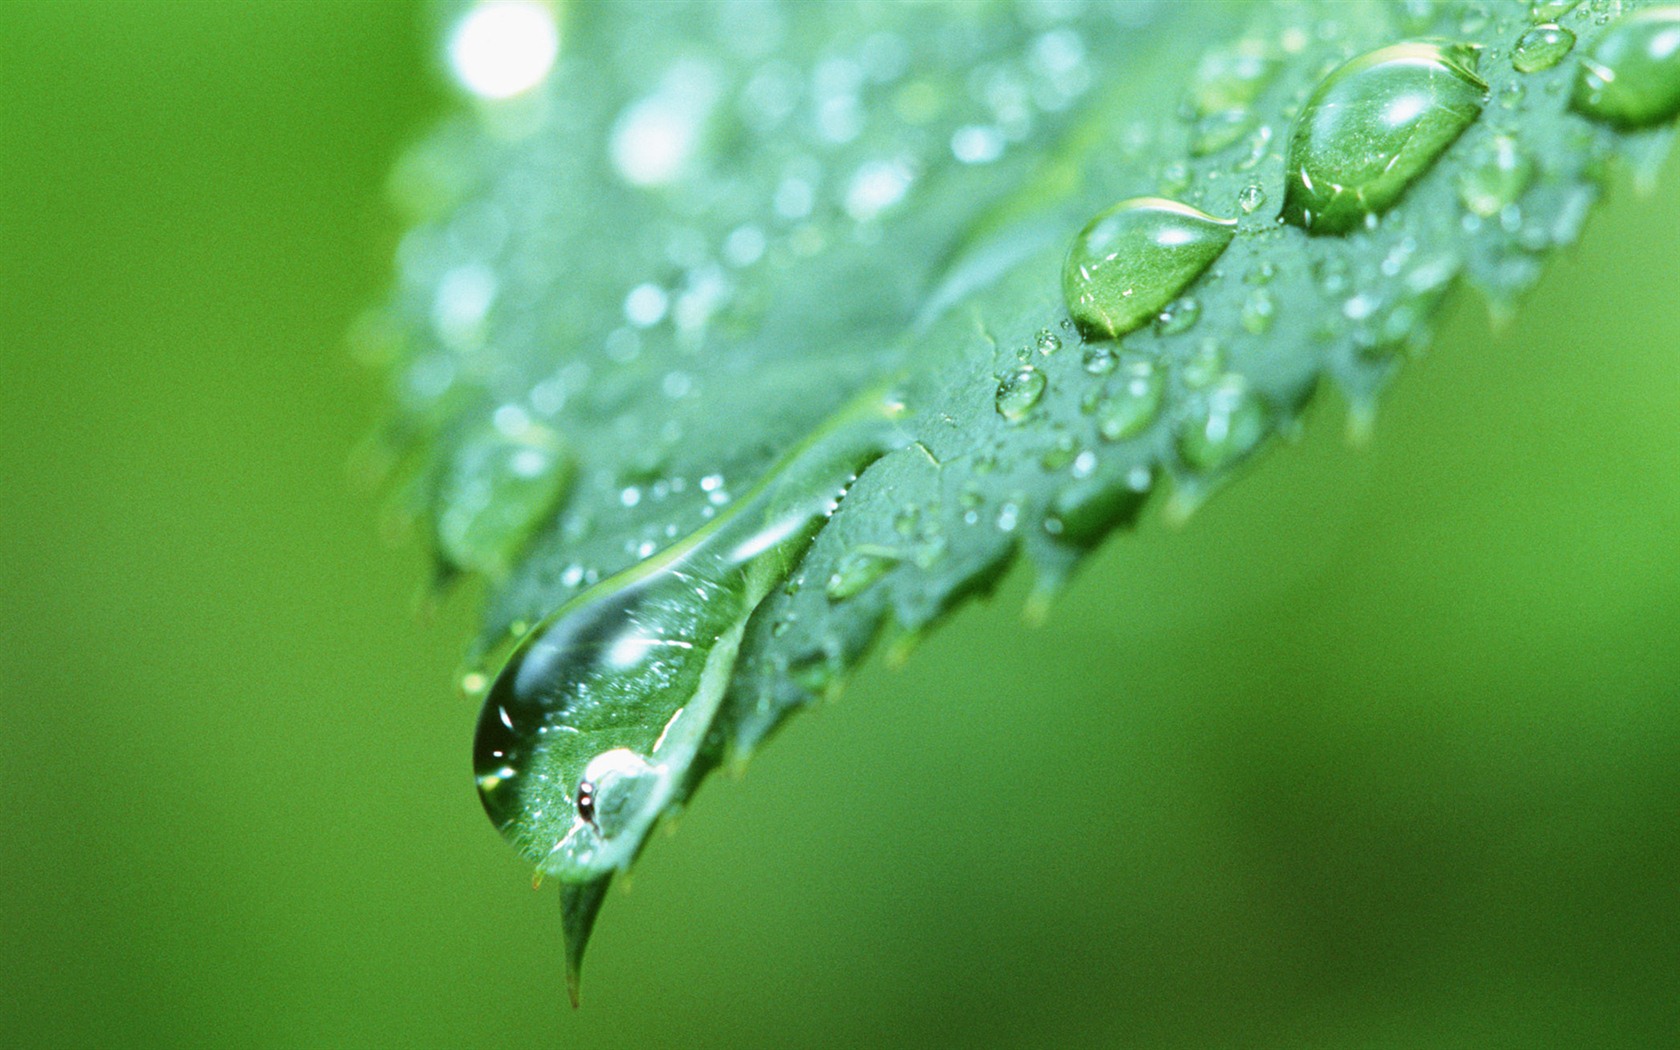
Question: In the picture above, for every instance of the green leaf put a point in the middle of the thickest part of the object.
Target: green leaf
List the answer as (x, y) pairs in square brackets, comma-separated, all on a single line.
[(712, 228)]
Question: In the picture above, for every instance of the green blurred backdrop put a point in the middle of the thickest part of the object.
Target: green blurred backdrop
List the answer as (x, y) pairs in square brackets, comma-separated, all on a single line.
[(1382, 750)]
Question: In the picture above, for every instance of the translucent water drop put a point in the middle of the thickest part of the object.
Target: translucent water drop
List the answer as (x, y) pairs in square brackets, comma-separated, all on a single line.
[(1231, 78), (1019, 392), (501, 485), (857, 570), (1632, 77), (590, 726), (1178, 316), (1373, 127), (1134, 259), (1541, 48), (1214, 133), (1550, 10), (1230, 422), (1496, 178), (1134, 404), (1251, 199), (1100, 360), (1048, 342), (1258, 310), (1059, 454)]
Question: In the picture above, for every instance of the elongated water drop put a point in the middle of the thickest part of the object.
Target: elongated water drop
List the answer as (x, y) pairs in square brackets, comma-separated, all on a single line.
[(1541, 48), (857, 570), (499, 487), (591, 728), (1632, 78), (1134, 259), (1373, 127)]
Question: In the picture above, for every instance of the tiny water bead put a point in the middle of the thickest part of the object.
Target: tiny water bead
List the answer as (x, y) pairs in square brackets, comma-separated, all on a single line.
[(1178, 316), (1019, 392), (1134, 259), (499, 487), (1541, 48), (1251, 199), (1373, 127), (1632, 78)]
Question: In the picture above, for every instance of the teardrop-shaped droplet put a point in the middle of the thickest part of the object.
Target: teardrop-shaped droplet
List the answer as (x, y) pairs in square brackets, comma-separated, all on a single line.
[(1541, 48), (500, 487), (1373, 127), (1018, 393), (1632, 78), (1135, 258), (1231, 421), (857, 570), (590, 729)]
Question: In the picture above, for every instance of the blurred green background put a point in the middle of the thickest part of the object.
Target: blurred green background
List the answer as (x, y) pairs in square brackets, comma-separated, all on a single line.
[(1382, 750)]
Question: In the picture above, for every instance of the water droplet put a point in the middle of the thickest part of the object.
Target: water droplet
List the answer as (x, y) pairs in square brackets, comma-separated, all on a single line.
[(1258, 310), (1632, 78), (1135, 258), (1178, 316), (1048, 342), (1230, 422), (1019, 392), (555, 719), (1134, 404), (1059, 454), (1541, 48), (1231, 78), (1100, 360), (500, 487), (1496, 178), (1550, 10), (1213, 133), (1251, 199), (857, 570), (1373, 127)]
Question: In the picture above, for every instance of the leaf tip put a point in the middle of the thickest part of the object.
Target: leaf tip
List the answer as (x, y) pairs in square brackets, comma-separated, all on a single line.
[(580, 903)]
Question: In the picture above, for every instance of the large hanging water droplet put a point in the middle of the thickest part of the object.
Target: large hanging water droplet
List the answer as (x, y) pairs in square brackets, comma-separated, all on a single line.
[(1019, 392), (1541, 48), (1632, 78), (592, 724), (1231, 420), (1373, 127), (1134, 259), (499, 488)]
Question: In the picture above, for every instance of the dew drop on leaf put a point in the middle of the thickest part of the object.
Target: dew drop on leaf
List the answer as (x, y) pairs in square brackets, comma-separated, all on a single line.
[(499, 488), (1496, 178), (1541, 48), (1230, 421), (1178, 316), (1551, 10), (1373, 127), (1134, 259), (1019, 392), (1632, 78), (1134, 403), (857, 570)]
